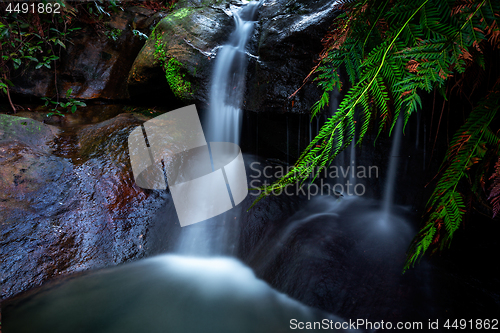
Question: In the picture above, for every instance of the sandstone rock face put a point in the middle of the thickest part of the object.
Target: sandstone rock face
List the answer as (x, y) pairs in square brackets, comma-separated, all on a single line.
[(281, 52), (94, 65), (68, 202)]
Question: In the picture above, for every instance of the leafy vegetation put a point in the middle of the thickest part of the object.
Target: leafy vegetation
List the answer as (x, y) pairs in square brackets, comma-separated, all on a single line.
[(174, 70), (175, 78), (71, 104), (114, 34), (31, 39), (495, 189), (392, 53), (469, 146)]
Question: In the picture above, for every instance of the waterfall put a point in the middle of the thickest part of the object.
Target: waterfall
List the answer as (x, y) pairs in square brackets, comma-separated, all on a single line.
[(228, 79), (217, 236), (352, 166), (340, 160), (392, 172)]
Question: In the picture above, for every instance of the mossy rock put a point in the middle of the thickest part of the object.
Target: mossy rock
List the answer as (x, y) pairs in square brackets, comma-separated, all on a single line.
[(177, 59), (28, 131)]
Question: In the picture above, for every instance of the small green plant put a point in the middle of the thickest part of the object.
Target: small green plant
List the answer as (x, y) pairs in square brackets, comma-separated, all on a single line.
[(113, 34), (70, 106), (30, 40), (4, 85)]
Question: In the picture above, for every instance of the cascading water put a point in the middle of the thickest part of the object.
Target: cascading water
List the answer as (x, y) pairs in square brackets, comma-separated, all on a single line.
[(341, 254), (340, 158), (223, 124), (343, 231), (392, 171), (228, 80), (352, 166)]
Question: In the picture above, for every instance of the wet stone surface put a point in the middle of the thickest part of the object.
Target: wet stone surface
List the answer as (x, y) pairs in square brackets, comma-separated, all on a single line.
[(68, 200)]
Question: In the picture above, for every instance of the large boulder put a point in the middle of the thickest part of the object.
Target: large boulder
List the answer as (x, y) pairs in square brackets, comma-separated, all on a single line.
[(68, 200), (178, 57)]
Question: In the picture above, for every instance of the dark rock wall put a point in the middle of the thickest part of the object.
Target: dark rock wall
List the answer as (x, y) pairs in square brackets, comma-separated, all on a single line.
[(288, 45), (93, 65)]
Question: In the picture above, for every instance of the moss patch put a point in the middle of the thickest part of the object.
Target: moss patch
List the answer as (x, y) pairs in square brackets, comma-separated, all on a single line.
[(174, 71), (175, 77), (181, 13)]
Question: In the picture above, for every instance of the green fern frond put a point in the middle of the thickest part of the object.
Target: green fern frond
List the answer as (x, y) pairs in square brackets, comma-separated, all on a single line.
[(446, 205)]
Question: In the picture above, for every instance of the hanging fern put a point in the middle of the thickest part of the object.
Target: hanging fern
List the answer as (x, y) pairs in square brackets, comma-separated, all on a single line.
[(446, 204), (391, 51)]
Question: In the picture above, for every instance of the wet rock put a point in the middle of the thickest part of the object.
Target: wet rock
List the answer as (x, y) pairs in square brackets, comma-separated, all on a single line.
[(178, 58), (68, 209), (288, 45), (26, 131), (94, 65)]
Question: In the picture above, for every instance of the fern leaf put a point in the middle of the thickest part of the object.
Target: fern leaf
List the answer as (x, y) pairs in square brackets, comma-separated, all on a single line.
[(494, 196), (446, 204)]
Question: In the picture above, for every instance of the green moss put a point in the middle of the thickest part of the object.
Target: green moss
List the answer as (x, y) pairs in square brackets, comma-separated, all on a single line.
[(175, 77), (174, 70), (160, 53), (181, 13)]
